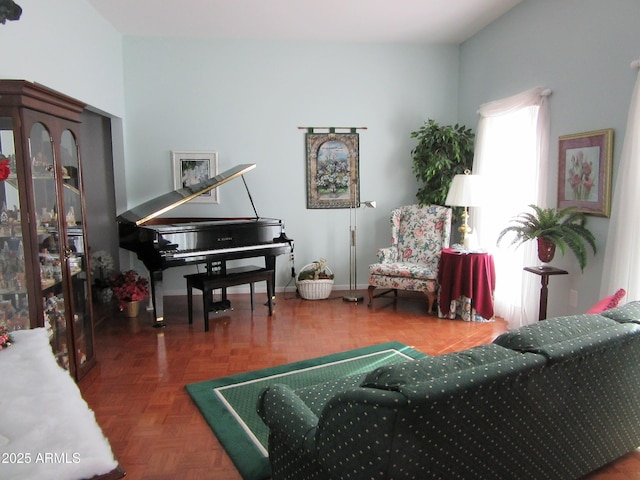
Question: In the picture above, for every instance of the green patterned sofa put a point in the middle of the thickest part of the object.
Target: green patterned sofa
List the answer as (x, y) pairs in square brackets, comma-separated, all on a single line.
[(553, 400)]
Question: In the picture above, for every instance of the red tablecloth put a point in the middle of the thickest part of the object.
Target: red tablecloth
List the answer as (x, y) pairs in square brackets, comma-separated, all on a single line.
[(470, 274)]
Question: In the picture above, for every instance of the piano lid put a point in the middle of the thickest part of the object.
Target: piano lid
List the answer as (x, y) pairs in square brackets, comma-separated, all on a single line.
[(162, 204)]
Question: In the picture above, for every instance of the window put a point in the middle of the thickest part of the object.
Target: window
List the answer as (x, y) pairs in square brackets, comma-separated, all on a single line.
[(511, 153), (622, 257)]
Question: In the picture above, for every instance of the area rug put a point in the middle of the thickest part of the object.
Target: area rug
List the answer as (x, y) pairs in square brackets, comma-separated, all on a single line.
[(229, 404)]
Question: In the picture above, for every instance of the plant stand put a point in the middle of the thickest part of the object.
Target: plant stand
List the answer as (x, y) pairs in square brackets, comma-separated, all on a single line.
[(544, 272)]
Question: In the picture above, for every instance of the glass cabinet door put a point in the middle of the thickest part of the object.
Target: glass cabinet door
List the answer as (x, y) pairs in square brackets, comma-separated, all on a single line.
[(51, 252), (61, 244), (14, 302), (74, 254)]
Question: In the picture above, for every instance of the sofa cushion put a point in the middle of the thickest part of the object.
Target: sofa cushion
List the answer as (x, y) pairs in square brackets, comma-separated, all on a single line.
[(400, 269), (392, 377), (558, 338), (624, 314)]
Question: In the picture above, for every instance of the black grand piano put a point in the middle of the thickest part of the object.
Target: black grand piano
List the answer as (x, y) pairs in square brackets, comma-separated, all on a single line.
[(163, 242)]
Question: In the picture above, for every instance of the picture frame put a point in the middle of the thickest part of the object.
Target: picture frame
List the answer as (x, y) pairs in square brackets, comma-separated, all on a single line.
[(333, 163), (584, 171), (193, 167)]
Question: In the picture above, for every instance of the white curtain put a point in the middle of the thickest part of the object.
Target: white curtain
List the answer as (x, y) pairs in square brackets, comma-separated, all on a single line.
[(511, 153), (622, 255)]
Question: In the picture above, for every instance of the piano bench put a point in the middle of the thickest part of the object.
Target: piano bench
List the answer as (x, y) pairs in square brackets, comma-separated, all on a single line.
[(234, 276)]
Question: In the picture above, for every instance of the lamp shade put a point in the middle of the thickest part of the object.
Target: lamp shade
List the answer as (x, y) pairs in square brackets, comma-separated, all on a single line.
[(466, 191)]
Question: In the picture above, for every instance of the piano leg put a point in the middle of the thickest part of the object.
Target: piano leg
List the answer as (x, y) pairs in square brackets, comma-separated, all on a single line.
[(157, 296), (270, 264)]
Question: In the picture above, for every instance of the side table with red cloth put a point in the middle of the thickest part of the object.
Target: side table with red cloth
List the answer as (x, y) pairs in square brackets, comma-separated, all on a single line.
[(467, 282)]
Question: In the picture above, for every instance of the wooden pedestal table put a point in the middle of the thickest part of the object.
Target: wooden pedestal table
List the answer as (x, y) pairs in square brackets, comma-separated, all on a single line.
[(545, 272)]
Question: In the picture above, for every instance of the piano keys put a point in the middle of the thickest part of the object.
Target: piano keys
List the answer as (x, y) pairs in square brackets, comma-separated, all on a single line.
[(166, 242)]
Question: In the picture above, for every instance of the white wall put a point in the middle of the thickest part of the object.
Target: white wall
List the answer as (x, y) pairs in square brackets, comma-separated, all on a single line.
[(581, 49), (65, 45), (246, 100)]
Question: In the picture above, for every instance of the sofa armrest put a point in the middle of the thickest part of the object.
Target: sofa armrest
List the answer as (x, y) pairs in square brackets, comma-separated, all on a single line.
[(288, 416), (387, 255), (356, 432)]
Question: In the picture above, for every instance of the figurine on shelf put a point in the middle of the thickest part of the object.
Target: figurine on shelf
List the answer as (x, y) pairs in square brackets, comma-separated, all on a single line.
[(41, 165), (71, 217), (4, 215), (45, 218)]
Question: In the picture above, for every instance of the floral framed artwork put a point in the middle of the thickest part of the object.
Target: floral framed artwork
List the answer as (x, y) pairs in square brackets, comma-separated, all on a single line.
[(191, 168), (584, 171), (333, 179)]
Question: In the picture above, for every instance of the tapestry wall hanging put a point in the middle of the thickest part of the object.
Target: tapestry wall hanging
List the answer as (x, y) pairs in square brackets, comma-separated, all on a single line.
[(584, 171), (333, 179)]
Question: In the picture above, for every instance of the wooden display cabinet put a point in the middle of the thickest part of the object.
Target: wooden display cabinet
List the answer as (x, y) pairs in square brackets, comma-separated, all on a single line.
[(44, 272)]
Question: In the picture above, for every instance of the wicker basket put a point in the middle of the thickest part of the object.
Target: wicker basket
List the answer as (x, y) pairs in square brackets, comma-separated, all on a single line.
[(314, 289)]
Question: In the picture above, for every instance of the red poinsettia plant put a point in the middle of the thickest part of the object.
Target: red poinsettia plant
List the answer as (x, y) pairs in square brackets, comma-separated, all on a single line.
[(5, 338), (4, 168), (129, 286)]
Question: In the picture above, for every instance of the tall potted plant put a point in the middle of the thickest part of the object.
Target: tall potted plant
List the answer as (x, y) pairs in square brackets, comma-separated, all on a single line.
[(442, 152), (9, 10), (552, 228)]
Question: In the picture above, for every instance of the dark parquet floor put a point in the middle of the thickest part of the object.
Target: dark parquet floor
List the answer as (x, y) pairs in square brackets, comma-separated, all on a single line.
[(137, 388)]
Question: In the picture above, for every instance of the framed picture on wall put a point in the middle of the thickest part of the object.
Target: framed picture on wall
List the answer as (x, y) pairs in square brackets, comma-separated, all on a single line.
[(191, 168), (584, 171), (333, 179)]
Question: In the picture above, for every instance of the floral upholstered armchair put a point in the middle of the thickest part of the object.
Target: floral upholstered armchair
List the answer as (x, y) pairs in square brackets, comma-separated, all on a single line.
[(418, 235)]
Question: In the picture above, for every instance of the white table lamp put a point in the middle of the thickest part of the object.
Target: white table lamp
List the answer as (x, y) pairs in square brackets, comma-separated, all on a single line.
[(466, 191)]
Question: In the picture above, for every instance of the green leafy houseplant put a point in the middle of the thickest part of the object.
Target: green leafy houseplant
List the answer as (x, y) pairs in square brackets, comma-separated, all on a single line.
[(442, 152), (560, 228), (9, 10)]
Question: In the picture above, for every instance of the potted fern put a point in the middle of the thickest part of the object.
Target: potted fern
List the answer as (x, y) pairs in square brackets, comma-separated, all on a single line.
[(552, 228)]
